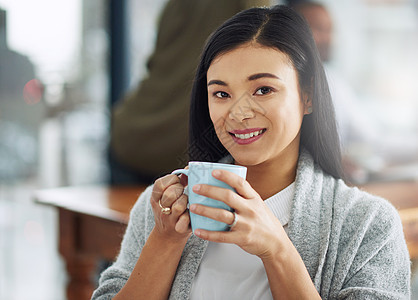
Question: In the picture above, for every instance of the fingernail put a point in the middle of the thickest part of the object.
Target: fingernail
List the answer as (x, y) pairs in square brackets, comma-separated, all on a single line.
[(192, 207), (216, 173), (196, 187)]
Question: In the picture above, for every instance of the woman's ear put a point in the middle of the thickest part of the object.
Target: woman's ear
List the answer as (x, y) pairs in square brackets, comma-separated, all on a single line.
[(307, 103)]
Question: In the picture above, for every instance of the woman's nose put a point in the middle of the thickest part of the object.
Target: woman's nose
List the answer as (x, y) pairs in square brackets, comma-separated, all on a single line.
[(241, 110)]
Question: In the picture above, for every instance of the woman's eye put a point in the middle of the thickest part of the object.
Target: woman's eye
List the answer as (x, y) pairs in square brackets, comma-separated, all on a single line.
[(221, 95), (263, 90)]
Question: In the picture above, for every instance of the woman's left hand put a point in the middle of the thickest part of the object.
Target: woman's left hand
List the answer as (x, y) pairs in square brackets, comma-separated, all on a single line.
[(257, 231)]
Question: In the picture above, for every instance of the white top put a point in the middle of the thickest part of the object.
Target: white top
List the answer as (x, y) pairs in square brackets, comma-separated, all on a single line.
[(228, 272)]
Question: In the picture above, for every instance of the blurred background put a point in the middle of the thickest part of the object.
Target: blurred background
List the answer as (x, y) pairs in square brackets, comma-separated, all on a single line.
[(64, 64)]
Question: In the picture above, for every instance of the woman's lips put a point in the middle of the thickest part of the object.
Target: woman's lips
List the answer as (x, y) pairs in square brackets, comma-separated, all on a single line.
[(247, 136)]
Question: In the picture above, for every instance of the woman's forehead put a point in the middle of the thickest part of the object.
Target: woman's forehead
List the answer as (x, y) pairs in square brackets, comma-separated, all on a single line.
[(251, 58)]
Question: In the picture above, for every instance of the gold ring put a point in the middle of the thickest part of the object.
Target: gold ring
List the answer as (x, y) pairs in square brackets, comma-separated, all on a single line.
[(235, 220), (164, 210)]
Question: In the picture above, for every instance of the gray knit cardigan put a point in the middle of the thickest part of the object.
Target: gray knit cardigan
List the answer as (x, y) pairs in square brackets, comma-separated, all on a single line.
[(351, 242)]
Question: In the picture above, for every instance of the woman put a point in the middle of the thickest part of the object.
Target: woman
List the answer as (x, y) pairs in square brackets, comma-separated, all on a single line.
[(260, 99)]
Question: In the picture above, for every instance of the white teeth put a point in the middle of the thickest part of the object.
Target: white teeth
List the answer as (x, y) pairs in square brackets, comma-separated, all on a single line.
[(248, 135)]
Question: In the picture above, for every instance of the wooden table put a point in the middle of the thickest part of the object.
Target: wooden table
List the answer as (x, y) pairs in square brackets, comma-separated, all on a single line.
[(92, 221)]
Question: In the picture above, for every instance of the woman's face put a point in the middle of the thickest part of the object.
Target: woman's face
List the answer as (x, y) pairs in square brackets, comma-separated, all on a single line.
[(255, 104)]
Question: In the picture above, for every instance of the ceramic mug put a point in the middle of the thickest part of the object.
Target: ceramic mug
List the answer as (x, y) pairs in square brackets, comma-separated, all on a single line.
[(201, 173)]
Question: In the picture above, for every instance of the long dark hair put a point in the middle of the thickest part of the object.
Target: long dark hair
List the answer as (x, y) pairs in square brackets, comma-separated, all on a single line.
[(281, 28)]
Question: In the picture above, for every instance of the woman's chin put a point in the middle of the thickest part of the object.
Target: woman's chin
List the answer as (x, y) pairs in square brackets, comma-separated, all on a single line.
[(247, 160)]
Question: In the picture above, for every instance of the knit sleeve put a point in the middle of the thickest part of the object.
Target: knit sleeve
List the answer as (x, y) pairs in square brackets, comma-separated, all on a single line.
[(140, 225), (378, 264)]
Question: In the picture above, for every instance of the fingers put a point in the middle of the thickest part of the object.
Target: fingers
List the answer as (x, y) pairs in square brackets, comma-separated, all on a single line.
[(227, 196), (167, 190), (218, 214), (238, 183), (183, 223), (179, 206), (168, 194), (161, 184), (169, 206), (171, 194), (217, 236)]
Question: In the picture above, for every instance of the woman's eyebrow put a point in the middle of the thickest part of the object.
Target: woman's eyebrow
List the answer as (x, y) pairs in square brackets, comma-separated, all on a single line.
[(262, 75), (218, 82), (250, 78)]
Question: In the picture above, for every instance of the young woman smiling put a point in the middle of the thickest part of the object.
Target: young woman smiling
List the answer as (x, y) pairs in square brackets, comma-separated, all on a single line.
[(260, 99)]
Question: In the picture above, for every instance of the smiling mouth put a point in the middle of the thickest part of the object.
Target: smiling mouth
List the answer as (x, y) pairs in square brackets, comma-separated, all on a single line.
[(245, 136), (248, 135)]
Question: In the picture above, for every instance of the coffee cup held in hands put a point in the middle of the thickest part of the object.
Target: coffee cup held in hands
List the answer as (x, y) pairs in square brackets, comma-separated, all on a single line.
[(201, 173)]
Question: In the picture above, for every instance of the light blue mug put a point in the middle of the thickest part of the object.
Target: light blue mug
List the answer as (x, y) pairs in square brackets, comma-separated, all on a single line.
[(201, 173)]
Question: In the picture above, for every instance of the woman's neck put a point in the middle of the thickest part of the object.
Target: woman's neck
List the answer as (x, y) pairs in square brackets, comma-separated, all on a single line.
[(269, 178)]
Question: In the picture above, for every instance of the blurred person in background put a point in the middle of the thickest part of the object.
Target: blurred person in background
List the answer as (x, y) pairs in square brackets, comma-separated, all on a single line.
[(150, 125), (21, 111), (366, 149)]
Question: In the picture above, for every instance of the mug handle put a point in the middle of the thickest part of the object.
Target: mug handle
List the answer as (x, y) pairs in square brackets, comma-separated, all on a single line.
[(181, 171), (185, 172)]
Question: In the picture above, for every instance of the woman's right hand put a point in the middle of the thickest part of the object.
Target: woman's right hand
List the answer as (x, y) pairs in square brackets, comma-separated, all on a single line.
[(161, 253), (168, 191)]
